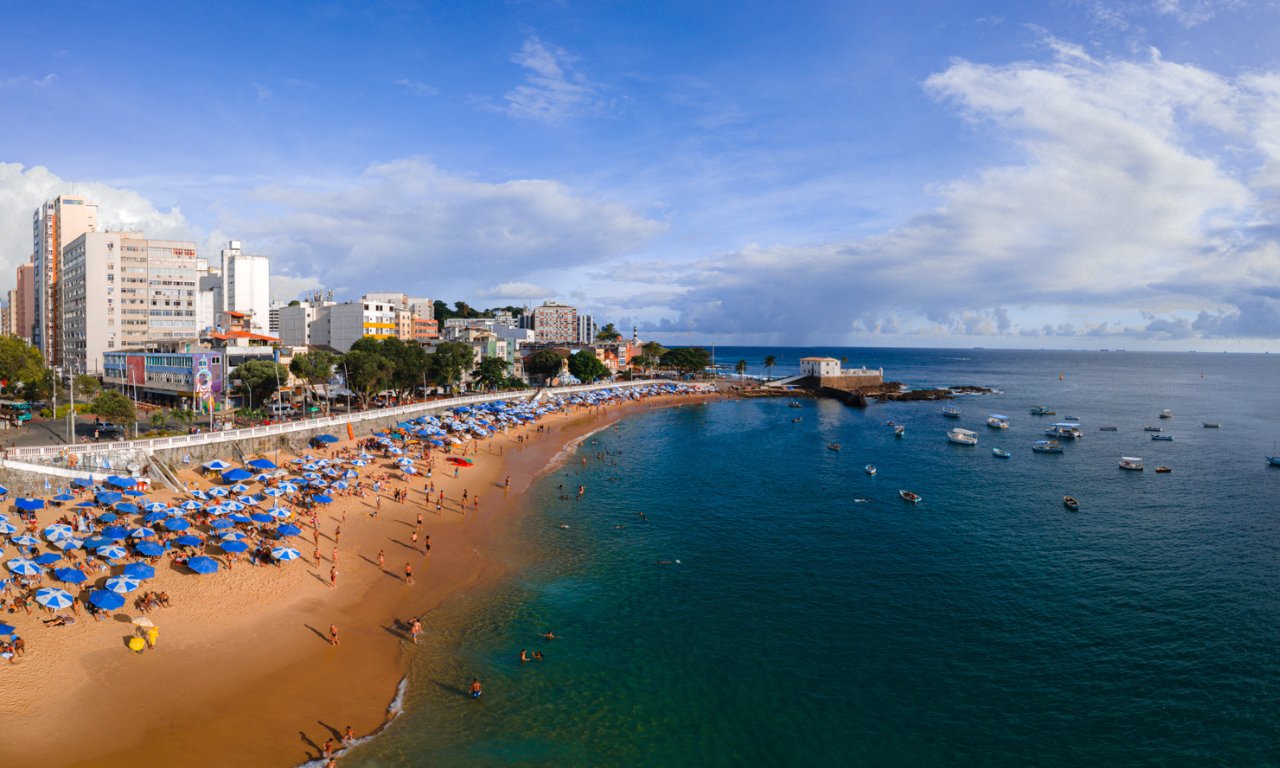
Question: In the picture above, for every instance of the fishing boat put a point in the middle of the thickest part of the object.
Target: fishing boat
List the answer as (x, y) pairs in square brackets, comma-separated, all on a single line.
[(998, 421), (951, 412), (1042, 410), (1132, 463), (1165, 438), (914, 498), (1274, 461), (1163, 470), (1166, 414), (1108, 429), (1149, 428), (1000, 453), (794, 404), (1211, 425), (1070, 503), (1065, 430), (870, 469), (899, 431), (833, 447), (962, 436), (1046, 446)]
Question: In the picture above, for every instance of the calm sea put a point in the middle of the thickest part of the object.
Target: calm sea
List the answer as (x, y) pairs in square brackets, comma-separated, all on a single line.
[(815, 618)]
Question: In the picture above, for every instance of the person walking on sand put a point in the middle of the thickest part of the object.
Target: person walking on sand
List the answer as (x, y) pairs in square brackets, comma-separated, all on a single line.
[(333, 576), (426, 545), (414, 538), (382, 558), (348, 736), (475, 688), (333, 635), (408, 573), (415, 630)]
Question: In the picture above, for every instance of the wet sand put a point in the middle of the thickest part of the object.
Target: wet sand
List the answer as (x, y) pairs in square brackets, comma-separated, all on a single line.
[(243, 673)]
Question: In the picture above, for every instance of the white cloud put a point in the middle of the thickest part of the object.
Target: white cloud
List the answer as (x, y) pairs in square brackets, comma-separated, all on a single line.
[(516, 291), (421, 89), (28, 81), (288, 287), (553, 89)]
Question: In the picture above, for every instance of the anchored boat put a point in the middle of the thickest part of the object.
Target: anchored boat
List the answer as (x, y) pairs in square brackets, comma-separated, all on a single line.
[(1132, 463), (998, 421), (962, 436)]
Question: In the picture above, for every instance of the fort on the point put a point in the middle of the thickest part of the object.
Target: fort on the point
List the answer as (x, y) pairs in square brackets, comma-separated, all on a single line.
[(827, 372)]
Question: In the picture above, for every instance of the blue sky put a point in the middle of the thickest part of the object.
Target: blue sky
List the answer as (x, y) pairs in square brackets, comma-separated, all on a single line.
[(1056, 174)]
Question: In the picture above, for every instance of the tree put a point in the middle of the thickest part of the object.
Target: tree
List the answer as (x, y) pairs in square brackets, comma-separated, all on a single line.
[(607, 333), (367, 373), (259, 379), (586, 367), (114, 406), (408, 362), (544, 362), (769, 362), (650, 353), (741, 368), (492, 372), (22, 368), (315, 368), (87, 387), (158, 419), (687, 359), (447, 364)]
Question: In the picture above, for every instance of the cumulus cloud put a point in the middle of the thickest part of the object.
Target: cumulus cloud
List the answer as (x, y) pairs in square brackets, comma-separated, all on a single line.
[(516, 290), (553, 89), (1134, 187), (289, 287)]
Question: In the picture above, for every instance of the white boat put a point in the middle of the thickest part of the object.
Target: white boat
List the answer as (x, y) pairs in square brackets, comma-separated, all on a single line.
[(870, 469), (1131, 463), (914, 498), (951, 412), (1065, 430), (1166, 438), (899, 431), (963, 436), (998, 421), (1000, 453), (1274, 461), (1166, 414), (1046, 446)]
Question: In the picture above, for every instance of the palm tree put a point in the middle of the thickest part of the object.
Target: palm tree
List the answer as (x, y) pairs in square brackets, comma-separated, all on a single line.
[(741, 368), (769, 362)]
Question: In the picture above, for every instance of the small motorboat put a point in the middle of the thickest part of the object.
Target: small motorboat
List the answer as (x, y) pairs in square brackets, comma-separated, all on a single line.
[(1066, 430), (870, 469), (914, 498), (1070, 503), (797, 420), (1149, 428), (1166, 414), (899, 431), (998, 421), (1212, 425), (951, 412), (833, 446), (1042, 410), (1000, 453), (794, 404), (1166, 438), (1164, 470), (1131, 463), (1046, 446), (962, 436), (1108, 429), (1274, 461)]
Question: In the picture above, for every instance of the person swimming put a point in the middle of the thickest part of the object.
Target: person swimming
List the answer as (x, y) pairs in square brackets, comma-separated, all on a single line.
[(475, 688)]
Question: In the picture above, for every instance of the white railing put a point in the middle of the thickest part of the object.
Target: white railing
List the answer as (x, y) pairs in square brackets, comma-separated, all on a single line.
[(47, 453)]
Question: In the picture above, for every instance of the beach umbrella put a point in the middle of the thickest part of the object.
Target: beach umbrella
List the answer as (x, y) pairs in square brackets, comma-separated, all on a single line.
[(64, 497), (218, 493), (259, 517), (57, 531), (311, 475), (236, 517), (247, 501), (188, 541), (272, 492), (121, 482), (70, 575), (325, 439), (320, 498), (217, 465), (285, 554), (155, 517), (199, 494), (29, 505), (234, 536), (7, 528), (96, 542), (141, 533), (221, 523), (52, 597), (289, 487), (108, 497), (288, 530), (113, 532), (190, 505), (24, 566), (143, 621), (239, 488), (121, 584), (127, 508), (177, 524), (82, 482), (203, 565), (134, 492), (68, 543), (155, 506), (279, 513), (235, 475), (138, 571), (4, 491), (107, 601), (149, 549), (7, 629), (107, 517), (48, 558), (359, 463), (25, 540), (233, 546), (262, 464), (232, 506), (112, 552)]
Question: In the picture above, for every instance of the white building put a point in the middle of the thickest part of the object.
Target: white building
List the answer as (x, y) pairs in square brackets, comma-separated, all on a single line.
[(819, 366), (556, 323), (119, 290), (587, 329), (246, 285), (350, 322), (53, 226)]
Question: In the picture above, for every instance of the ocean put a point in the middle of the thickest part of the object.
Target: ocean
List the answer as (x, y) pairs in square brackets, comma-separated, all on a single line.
[(775, 605)]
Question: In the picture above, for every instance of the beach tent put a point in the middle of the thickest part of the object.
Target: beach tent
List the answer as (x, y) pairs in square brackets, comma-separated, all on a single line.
[(236, 475), (262, 464)]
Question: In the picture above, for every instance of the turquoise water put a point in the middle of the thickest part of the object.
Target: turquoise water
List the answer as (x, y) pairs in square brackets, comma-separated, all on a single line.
[(987, 625)]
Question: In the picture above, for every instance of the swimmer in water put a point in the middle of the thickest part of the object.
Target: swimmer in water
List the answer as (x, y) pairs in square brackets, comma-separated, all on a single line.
[(475, 688), (549, 635), (564, 525)]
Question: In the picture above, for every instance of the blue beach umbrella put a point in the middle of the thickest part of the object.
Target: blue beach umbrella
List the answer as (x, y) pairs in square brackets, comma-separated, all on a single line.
[(272, 492), (236, 475), (203, 565), (108, 497), (288, 530), (29, 505), (48, 558), (57, 531), (239, 488), (149, 549), (52, 597), (190, 505), (177, 524), (138, 571), (64, 497), (221, 523), (262, 464), (70, 575), (26, 540), (107, 601), (82, 482), (279, 513), (141, 533), (320, 498), (7, 629), (236, 517), (188, 541), (155, 517), (134, 493), (127, 508), (234, 536), (259, 517), (68, 543), (113, 532), (112, 552), (285, 554), (121, 584), (233, 546), (217, 465), (121, 482), (155, 506), (24, 567), (96, 542), (108, 517), (7, 528), (218, 493)]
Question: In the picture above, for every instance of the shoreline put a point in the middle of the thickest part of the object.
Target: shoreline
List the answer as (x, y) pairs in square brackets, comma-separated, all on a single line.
[(236, 678)]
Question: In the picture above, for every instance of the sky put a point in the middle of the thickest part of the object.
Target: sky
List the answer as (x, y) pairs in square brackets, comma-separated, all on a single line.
[(1059, 174)]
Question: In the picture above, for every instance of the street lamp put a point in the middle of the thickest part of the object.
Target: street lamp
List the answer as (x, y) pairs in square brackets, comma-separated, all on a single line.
[(346, 382)]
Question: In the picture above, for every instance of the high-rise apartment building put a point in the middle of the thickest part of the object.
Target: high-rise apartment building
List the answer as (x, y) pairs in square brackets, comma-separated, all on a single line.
[(119, 290), (556, 323), (55, 224), (246, 286), (24, 311), (6, 314), (586, 329)]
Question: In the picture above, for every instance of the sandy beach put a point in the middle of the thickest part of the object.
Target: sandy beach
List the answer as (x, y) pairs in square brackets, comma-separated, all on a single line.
[(243, 672)]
